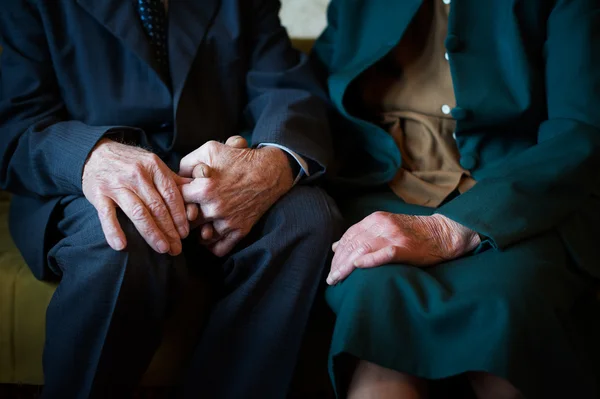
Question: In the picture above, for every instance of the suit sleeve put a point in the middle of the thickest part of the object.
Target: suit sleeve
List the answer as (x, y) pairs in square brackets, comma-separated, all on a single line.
[(42, 151), (286, 106), (542, 187)]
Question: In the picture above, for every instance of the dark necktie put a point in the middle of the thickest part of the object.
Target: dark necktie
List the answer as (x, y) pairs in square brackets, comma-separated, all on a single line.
[(154, 20)]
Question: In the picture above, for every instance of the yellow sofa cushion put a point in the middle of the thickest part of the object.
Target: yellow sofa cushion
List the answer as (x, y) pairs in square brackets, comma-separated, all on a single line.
[(23, 302)]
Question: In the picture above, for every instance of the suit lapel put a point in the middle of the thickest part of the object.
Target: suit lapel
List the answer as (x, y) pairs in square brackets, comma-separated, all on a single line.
[(121, 19), (188, 23)]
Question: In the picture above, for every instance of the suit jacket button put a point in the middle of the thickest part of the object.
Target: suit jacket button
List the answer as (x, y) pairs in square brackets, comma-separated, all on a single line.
[(468, 162), (166, 125), (453, 43), (460, 114)]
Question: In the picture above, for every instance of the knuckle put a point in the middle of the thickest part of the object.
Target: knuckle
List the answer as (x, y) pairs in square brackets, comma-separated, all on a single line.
[(363, 248), (211, 145), (124, 178), (351, 246), (158, 209), (376, 227), (136, 169), (394, 230), (138, 212), (105, 212), (98, 190), (380, 217), (150, 160), (391, 252), (344, 241), (170, 195)]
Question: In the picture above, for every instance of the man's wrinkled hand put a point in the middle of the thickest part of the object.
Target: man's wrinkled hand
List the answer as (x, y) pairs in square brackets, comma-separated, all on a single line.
[(146, 190), (207, 231), (243, 184), (382, 238)]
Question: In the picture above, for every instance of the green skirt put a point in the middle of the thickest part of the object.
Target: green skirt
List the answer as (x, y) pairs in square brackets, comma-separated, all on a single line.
[(523, 314)]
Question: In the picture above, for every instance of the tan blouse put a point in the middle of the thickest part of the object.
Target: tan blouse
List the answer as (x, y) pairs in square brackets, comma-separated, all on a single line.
[(410, 94)]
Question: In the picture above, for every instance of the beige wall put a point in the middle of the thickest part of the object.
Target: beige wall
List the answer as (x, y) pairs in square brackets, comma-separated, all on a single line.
[(304, 18)]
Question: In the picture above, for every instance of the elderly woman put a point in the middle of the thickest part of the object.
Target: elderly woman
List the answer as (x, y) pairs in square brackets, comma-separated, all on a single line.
[(469, 148)]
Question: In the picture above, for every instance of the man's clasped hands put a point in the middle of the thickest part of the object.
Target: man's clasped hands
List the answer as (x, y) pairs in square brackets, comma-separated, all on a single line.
[(222, 189)]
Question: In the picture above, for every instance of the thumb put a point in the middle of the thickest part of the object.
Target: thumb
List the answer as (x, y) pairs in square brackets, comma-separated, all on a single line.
[(237, 142), (202, 170)]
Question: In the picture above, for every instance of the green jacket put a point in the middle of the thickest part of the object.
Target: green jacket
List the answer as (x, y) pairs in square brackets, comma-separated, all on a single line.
[(527, 82)]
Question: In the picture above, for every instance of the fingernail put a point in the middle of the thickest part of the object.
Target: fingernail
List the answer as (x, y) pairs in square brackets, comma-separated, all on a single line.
[(184, 231), (334, 245), (176, 248), (204, 171), (163, 247), (119, 244), (333, 277)]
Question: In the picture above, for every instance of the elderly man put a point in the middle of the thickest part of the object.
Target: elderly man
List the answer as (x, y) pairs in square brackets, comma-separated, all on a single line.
[(101, 101), (472, 130)]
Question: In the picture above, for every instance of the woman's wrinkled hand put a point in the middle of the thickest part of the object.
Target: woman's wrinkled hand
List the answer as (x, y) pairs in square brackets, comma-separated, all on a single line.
[(382, 238)]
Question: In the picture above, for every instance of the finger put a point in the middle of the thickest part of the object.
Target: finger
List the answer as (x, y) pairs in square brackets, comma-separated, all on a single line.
[(171, 194), (155, 204), (380, 257), (346, 244), (202, 170), (136, 211), (107, 212), (225, 245), (202, 154), (180, 181), (344, 265), (237, 142), (367, 244), (339, 274), (191, 211), (208, 232), (196, 191), (367, 241)]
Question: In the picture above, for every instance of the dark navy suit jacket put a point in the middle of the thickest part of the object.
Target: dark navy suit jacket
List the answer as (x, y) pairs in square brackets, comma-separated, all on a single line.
[(73, 71)]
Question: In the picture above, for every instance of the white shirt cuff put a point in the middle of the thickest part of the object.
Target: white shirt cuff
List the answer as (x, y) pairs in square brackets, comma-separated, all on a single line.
[(303, 165)]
